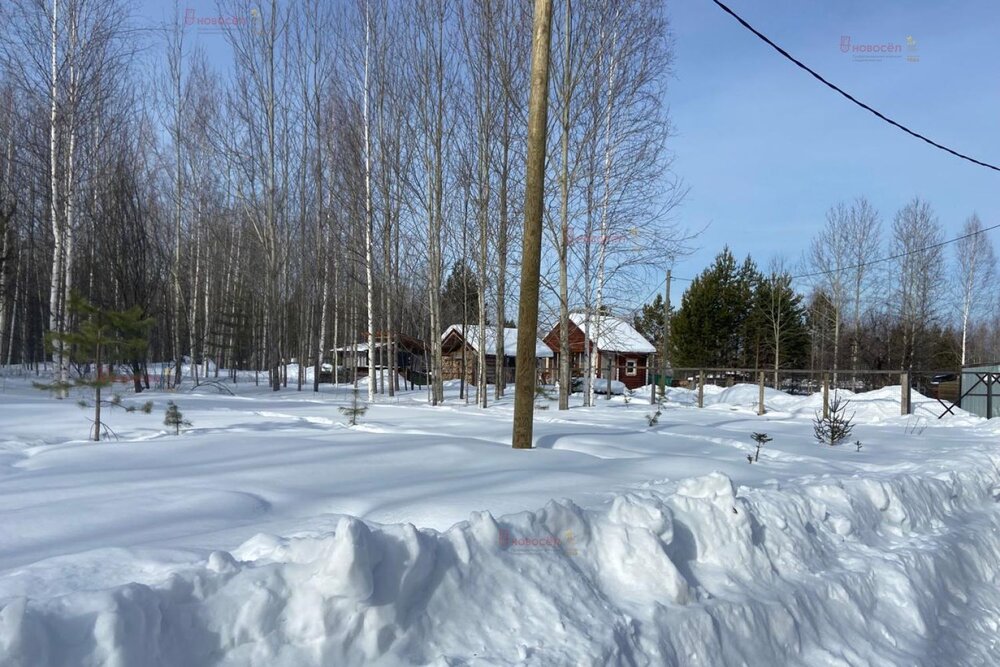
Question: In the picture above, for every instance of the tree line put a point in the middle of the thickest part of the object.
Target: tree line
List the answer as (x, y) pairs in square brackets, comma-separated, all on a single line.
[(312, 192), (862, 297)]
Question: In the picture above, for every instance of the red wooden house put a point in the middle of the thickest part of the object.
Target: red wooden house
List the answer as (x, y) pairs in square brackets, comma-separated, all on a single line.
[(613, 342)]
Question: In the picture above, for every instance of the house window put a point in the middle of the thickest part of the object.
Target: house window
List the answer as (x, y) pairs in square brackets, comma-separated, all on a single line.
[(631, 367)]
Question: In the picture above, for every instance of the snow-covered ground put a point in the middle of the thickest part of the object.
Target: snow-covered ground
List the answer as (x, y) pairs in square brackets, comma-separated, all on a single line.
[(271, 533)]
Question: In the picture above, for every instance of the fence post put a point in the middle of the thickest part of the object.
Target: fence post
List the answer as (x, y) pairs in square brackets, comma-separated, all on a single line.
[(904, 398), (990, 379), (701, 389), (961, 378), (760, 402), (826, 395)]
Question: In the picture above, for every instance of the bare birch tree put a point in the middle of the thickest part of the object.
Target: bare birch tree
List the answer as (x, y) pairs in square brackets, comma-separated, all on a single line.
[(916, 242), (862, 239), (829, 259), (976, 263)]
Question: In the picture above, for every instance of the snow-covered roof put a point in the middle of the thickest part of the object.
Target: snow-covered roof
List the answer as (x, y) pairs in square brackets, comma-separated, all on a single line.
[(509, 340), (614, 334)]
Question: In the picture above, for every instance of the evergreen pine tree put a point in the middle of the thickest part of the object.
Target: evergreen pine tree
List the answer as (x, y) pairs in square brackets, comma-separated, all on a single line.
[(649, 321), (461, 285), (777, 304), (761, 439), (820, 316), (710, 327), (355, 410), (749, 342), (103, 338), (175, 418), (837, 426)]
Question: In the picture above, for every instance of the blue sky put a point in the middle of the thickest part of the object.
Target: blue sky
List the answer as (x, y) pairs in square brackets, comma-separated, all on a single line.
[(766, 149)]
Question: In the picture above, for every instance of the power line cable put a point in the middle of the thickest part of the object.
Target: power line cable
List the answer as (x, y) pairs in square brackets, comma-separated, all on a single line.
[(877, 113), (850, 97), (899, 256)]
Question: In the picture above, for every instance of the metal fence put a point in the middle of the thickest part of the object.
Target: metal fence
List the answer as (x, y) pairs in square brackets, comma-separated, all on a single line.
[(979, 387)]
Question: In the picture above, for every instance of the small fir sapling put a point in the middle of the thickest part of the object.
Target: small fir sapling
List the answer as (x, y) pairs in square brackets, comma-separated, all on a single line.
[(761, 439), (175, 418), (652, 419), (354, 410), (542, 393), (104, 338), (857, 443), (836, 427)]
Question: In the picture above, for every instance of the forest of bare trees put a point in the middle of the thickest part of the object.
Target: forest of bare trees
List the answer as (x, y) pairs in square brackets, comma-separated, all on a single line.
[(321, 184), (894, 292), (312, 189)]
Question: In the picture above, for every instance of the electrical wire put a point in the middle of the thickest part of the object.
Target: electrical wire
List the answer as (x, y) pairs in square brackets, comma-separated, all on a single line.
[(899, 256), (850, 97), (877, 113)]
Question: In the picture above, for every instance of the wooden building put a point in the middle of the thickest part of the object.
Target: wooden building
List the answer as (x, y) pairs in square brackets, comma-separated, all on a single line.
[(455, 340), (615, 344), (409, 353)]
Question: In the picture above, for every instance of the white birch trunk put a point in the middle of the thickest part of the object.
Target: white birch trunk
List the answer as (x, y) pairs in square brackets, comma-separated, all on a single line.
[(369, 277), (565, 369), (606, 201), (56, 315)]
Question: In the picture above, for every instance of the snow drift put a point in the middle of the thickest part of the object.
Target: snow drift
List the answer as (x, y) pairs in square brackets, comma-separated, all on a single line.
[(887, 569)]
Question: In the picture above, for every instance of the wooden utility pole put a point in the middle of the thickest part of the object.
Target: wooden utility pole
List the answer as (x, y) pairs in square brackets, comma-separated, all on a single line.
[(531, 248)]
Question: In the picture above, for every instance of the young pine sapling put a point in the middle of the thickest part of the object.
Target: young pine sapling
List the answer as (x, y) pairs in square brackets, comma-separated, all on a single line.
[(654, 418), (354, 410), (761, 439), (837, 426), (175, 418), (104, 338), (542, 394)]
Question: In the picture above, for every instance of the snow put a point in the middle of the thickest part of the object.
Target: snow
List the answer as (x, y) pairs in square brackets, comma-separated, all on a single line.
[(270, 533), (615, 335), (509, 340)]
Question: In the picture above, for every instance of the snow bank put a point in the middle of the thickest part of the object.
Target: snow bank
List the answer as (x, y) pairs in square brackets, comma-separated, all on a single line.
[(898, 569)]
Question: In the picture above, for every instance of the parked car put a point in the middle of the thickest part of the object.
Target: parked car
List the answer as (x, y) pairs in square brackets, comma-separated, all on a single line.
[(944, 386)]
